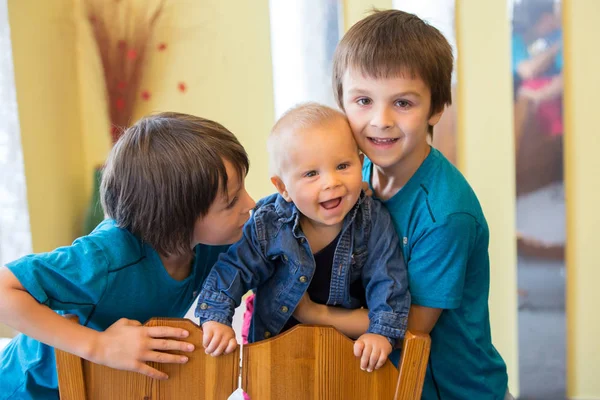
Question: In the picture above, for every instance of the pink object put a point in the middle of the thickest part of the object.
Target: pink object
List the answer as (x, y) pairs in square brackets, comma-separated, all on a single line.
[(549, 113), (246, 325), (247, 318)]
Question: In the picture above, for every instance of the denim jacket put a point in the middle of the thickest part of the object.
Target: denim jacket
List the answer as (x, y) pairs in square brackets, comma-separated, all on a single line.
[(274, 258)]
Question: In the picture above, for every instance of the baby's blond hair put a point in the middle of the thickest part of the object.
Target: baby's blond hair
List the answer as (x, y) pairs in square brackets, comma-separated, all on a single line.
[(295, 120)]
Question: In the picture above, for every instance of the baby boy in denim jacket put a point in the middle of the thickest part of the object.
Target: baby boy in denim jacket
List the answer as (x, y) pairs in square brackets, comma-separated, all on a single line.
[(320, 240)]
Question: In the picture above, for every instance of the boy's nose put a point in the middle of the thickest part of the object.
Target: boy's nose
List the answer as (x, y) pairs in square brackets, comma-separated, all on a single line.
[(382, 118), (250, 203)]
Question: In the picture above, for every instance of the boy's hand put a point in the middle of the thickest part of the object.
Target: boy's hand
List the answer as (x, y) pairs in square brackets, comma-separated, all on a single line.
[(373, 350), (218, 338), (128, 345)]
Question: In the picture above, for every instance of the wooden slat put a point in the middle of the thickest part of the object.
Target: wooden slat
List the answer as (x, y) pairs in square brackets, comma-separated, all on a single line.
[(71, 385), (413, 365), (202, 377), (312, 362)]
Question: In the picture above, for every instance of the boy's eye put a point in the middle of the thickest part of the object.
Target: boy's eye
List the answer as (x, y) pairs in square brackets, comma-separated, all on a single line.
[(232, 203), (363, 101), (402, 103), (343, 166), (310, 174)]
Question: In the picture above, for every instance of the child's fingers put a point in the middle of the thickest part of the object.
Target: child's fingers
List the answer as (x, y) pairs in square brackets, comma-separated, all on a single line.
[(382, 358), (221, 348), (366, 356), (359, 346), (165, 358), (166, 344), (166, 332), (214, 344), (147, 370), (375, 353), (207, 337), (231, 346)]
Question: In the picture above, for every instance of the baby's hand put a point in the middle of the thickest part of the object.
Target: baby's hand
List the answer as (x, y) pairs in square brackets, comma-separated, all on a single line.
[(373, 350), (218, 338)]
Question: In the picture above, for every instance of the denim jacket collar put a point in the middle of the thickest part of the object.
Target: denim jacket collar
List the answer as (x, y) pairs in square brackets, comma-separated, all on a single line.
[(288, 212)]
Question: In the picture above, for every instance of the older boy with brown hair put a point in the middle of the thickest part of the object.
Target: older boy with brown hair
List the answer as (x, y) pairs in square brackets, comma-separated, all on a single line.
[(392, 76)]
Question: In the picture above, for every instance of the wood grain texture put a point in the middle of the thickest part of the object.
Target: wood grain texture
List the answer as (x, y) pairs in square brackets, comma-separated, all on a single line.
[(413, 365), (202, 377), (317, 362)]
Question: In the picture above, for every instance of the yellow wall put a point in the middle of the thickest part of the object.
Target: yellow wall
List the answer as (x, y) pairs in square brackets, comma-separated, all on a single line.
[(486, 155), (221, 50), (582, 191), (355, 10), (43, 41)]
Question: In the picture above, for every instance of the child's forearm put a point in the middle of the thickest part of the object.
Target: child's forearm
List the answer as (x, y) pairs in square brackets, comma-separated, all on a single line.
[(20, 311), (352, 323), (422, 319)]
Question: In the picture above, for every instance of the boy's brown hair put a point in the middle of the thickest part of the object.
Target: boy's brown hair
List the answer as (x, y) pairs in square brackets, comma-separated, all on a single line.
[(164, 173), (391, 43)]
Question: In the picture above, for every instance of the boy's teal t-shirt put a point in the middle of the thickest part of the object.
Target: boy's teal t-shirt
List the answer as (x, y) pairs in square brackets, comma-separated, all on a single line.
[(107, 275), (444, 238)]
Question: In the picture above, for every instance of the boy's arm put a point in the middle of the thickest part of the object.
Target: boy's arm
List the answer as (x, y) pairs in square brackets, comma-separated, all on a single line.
[(422, 319), (351, 323), (125, 345), (241, 268)]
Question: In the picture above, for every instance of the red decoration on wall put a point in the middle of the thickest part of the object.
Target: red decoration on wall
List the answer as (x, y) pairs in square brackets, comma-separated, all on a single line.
[(123, 30), (182, 87), (162, 47)]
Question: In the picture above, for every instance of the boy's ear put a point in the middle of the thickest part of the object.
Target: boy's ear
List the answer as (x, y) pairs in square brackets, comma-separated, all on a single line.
[(280, 186), (435, 118)]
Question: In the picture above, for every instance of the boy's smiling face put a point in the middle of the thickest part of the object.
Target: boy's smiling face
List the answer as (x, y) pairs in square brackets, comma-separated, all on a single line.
[(227, 215), (389, 118)]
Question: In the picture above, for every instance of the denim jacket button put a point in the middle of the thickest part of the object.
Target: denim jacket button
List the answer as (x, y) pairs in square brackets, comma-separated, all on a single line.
[(203, 306), (267, 334), (302, 240), (284, 309), (302, 279)]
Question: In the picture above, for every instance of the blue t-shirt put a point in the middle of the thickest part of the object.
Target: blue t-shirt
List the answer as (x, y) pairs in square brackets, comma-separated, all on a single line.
[(107, 275), (444, 238)]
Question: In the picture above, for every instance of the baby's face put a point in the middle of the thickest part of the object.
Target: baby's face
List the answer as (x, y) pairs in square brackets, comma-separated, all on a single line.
[(322, 172)]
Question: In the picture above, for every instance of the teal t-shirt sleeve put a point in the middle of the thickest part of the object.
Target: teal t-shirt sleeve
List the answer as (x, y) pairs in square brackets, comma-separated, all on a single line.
[(67, 278), (519, 52), (438, 262)]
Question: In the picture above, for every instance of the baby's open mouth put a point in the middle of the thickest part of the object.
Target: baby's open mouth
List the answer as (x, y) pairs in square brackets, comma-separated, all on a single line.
[(330, 204)]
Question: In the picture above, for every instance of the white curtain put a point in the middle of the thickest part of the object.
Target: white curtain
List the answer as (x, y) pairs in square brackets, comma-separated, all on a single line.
[(304, 34), (15, 235)]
